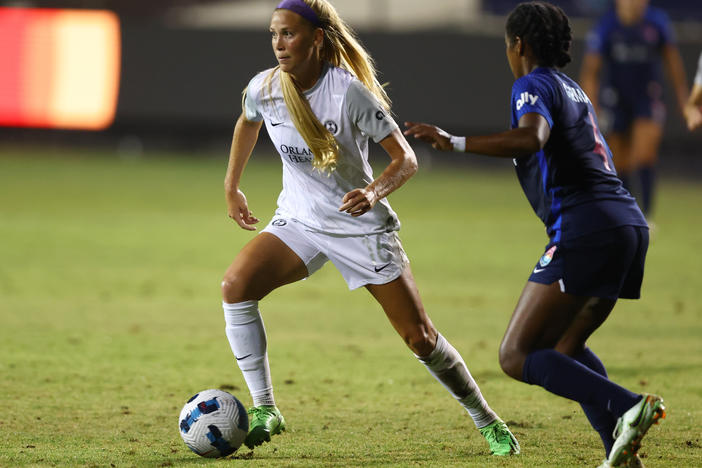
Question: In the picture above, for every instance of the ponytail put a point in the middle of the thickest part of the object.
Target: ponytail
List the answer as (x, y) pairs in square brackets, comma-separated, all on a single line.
[(341, 49)]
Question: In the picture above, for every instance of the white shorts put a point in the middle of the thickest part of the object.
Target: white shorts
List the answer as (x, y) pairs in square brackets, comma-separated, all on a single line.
[(361, 260)]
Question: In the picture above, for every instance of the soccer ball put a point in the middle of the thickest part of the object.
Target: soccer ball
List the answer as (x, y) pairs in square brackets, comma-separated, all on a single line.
[(213, 423)]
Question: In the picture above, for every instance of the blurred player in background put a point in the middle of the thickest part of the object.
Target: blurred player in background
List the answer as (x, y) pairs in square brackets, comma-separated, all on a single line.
[(693, 109), (628, 45), (320, 105), (598, 235)]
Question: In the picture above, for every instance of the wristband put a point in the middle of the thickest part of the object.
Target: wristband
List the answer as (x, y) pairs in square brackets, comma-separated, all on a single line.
[(459, 143)]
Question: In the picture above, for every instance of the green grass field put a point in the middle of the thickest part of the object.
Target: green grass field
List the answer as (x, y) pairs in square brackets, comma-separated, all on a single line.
[(110, 319)]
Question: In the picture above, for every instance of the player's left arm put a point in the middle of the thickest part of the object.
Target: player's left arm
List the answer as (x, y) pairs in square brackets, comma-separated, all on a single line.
[(693, 108), (676, 73), (403, 165), (529, 137)]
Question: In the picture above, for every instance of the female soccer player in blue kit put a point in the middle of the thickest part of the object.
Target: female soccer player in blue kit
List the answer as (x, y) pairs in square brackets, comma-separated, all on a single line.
[(320, 105), (597, 235), (624, 55)]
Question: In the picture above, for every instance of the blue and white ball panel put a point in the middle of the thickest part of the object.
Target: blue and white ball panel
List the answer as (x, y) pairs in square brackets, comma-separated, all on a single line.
[(213, 423)]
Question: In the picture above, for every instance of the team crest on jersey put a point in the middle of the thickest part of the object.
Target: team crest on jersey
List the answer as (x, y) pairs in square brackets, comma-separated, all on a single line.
[(547, 257), (331, 126)]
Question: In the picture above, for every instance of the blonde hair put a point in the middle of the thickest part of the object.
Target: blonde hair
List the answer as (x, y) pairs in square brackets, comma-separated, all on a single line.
[(341, 49)]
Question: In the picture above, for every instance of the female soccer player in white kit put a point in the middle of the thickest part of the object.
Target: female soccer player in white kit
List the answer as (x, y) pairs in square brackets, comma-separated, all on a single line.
[(320, 105)]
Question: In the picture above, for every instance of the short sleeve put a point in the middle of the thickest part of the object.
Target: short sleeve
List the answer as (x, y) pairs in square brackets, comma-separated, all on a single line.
[(596, 38), (529, 96), (366, 112), (698, 75), (250, 110), (662, 21)]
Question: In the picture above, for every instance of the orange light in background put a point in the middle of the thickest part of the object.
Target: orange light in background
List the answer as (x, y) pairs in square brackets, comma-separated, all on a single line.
[(58, 68)]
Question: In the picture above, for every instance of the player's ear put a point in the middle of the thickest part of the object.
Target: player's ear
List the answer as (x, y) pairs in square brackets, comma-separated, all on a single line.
[(519, 45), (318, 38)]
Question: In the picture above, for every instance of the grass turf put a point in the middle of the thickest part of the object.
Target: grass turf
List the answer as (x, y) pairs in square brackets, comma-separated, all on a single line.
[(110, 319)]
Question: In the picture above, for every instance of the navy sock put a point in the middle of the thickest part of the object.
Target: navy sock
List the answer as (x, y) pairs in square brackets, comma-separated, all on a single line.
[(601, 420), (566, 377), (647, 176)]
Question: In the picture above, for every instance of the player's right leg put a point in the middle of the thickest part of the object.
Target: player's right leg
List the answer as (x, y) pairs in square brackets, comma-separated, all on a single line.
[(619, 144), (264, 264)]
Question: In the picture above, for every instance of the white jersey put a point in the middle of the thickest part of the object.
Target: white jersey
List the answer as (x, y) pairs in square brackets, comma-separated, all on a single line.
[(352, 114)]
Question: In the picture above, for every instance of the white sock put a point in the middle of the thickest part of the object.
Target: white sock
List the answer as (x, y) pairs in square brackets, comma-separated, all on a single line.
[(247, 338), (448, 367)]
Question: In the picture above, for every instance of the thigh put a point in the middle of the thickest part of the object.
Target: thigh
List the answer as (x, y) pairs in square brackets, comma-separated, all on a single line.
[(264, 264), (545, 317), (618, 143), (541, 317), (403, 306), (369, 259), (646, 137)]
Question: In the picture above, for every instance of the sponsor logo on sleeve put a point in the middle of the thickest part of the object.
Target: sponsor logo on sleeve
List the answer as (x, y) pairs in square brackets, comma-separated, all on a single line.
[(526, 98)]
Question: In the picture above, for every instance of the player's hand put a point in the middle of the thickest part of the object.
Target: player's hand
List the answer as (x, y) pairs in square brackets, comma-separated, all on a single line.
[(432, 134), (238, 210), (693, 115), (358, 201)]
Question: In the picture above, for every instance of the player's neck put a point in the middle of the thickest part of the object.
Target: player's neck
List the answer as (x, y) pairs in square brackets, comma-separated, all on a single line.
[(307, 78)]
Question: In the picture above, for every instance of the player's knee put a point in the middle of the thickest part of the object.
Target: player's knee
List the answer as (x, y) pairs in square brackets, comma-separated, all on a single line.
[(511, 360), (234, 289)]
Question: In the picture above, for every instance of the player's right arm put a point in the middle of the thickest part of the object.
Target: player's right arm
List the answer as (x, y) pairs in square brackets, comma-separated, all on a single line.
[(529, 137), (243, 142)]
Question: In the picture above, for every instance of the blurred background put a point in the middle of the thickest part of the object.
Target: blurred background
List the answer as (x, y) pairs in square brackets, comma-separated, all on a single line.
[(134, 76)]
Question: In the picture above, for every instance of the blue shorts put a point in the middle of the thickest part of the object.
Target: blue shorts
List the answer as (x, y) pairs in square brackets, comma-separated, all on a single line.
[(607, 264), (619, 109)]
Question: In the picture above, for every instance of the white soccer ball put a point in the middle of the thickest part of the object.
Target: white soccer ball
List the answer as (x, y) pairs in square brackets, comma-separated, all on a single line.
[(213, 423)]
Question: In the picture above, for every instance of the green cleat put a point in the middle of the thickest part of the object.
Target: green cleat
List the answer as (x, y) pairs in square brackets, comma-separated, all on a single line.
[(631, 428), (265, 421), (501, 440)]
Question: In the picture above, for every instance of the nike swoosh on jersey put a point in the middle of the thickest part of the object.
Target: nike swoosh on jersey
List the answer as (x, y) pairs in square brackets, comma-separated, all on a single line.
[(379, 269), (538, 270), (275, 124)]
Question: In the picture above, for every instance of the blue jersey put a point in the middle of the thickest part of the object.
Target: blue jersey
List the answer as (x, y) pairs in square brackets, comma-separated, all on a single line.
[(632, 54), (571, 183)]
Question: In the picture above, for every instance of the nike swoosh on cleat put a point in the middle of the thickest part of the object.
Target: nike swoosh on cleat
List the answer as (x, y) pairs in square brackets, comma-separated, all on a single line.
[(379, 269), (242, 357)]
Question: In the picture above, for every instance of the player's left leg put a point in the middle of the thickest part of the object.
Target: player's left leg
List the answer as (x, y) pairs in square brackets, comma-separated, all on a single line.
[(403, 306), (541, 319), (545, 345)]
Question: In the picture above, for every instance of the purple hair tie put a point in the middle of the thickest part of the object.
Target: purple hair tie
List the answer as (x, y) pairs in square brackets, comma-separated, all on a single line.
[(302, 9)]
